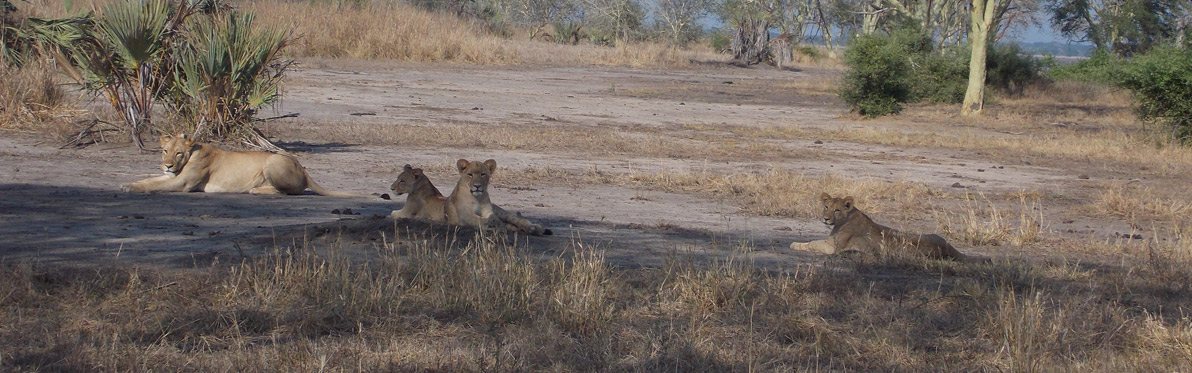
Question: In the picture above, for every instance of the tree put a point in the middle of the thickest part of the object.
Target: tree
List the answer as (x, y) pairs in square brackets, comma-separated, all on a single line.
[(986, 14), (1125, 27), (678, 18), (621, 17), (751, 21), (537, 14)]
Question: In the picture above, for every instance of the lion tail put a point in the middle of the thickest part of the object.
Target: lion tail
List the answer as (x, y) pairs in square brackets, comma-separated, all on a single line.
[(520, 223), (315, 187)]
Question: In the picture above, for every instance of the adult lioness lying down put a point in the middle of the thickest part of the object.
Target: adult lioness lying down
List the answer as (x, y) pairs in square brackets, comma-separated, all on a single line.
[(191, 166), (468, 205), (853, 230)]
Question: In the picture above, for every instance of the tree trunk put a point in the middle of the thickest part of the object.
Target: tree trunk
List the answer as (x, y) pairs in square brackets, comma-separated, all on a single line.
[(751, 42), (982, 21)]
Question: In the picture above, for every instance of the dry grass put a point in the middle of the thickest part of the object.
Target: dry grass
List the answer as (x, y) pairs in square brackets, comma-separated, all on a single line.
[(785, 193), (481, 306), (401, 32), (638, 55), (982, 223), (382, 30), (593, 141), (1135, 202), (31, 98)]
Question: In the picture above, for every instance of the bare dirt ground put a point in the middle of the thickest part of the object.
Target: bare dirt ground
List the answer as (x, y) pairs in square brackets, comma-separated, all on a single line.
[(65, 206)]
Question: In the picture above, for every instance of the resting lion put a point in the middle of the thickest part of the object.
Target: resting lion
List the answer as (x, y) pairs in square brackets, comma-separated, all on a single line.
[(853, 230), (191, 166), (469, 204), (423, 200)]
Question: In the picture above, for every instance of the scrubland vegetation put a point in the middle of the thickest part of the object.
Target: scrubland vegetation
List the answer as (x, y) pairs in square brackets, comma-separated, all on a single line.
[(1033, 299)]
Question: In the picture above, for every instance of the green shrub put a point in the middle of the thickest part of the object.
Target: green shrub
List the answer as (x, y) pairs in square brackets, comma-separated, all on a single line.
[(878, 80), (206, 62), (1101, 67), (887, 71), (719, 41), (1162, 82), (1009, 69), (941, 78)]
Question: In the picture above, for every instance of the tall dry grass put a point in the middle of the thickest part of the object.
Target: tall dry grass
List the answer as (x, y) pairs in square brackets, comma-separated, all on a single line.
[(485, 305), (779, 192), (32, 99), (382, 30), (395, 30), (981, 222)]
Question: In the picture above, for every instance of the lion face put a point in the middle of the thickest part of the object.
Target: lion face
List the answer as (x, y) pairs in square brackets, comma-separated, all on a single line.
[(475, 175), (175, 152), (836, 210), (407, 180)]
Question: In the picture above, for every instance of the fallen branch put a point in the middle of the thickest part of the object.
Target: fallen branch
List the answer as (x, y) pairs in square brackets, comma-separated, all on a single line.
[(90, 132)]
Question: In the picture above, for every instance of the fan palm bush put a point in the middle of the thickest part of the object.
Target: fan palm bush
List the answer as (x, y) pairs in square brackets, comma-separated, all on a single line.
[(196, 56), (227, 70)]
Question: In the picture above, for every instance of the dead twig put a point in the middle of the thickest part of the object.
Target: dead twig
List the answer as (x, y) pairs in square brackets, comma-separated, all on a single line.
[(90, 132)]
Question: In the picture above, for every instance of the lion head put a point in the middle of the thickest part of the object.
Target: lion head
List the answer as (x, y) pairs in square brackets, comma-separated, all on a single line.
[(407, 181), (836, 210), (175, 152), (474, 175)]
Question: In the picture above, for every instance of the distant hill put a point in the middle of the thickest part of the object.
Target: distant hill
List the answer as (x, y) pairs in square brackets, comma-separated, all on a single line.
[(1058, 48)]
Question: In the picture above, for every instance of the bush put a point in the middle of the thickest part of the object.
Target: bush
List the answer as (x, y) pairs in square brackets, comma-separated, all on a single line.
[(1009, 69), (208, 63), (1101, 67), (1162, 82), (888, 71), (878, 80), (941, 78)]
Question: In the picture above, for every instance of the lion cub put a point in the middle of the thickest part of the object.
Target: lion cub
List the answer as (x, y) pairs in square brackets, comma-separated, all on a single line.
[(853, 230), (469, 203), (423, 200)]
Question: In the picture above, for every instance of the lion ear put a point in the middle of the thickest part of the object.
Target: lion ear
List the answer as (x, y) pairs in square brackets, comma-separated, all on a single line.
[(461, 164), (166, 138), (824, 197), (183, 136), (491, 164), (407, 167), (848, 202)]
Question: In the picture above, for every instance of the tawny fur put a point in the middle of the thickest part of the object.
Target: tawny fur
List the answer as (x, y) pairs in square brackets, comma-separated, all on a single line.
[(191, 166), (469, 203), (423, 200), (853, 230)]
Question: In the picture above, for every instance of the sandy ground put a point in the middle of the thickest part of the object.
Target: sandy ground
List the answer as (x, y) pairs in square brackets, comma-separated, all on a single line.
[(65, 206)]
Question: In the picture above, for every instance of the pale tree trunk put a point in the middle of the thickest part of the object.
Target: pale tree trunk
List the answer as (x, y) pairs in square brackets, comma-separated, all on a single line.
[(982, 21)]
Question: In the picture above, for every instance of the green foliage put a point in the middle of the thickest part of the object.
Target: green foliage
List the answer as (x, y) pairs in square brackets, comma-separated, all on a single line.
[(568, 32), (122, 51), (226, 71), (1102, 67), (1009, 69), (878, 80), (1162, 83), (941, 78), (207, 63), (719, 42), (14, 44), (886, 72)]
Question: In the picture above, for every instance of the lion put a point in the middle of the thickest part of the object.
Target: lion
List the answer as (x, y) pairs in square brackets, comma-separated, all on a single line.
[(853, 230), (192, 166), (423, 200), (469, 203)]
